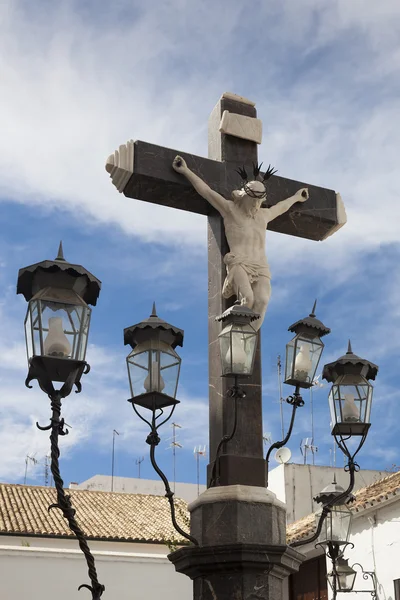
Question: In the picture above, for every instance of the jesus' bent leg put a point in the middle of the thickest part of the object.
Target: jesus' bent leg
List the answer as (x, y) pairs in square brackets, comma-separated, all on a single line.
[(262, 295), (242, 286)]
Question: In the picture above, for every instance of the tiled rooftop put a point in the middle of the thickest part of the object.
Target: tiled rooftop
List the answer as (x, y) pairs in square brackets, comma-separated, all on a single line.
[(101, 515), (377, 492), (134, 517)]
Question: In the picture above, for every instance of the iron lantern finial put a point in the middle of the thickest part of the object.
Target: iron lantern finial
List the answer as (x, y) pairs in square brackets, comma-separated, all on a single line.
[(312, 313), (60, 253)]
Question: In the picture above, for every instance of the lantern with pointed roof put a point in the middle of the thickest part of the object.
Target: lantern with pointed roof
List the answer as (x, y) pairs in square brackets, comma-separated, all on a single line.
[(58, 316), (238, 341), (336, 526), (153, 365), (350, 397), (342, 577), (304, 351)]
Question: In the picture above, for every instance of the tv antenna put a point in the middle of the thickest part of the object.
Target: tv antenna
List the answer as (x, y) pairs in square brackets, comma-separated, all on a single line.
[(33, 461), (115, 432), (267, 438), (281, 400), (174, 445), (138, 462), (47, 470), (316, 383), (306, 445), (283, 455), (199, 451)]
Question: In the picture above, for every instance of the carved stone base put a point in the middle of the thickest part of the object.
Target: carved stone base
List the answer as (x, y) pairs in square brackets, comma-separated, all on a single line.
[(242, 553), (237, 571)]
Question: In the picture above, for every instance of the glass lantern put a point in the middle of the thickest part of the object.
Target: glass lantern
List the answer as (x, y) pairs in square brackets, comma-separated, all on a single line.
[(342, 577), (336, 527), (302, 358), (58, 317), (57, 324), (350, 402), (238, 348), (350, 398), (238, 341), (153, 366), (304, 351)]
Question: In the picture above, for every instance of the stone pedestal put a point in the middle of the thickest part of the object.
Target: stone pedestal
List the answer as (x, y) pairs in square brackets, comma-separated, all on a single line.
[(242, 552)]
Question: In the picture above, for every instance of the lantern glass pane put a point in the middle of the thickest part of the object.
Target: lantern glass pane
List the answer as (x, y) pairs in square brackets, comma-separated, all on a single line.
[(57, 328), (290, 353), (302, 358), (350, 400), (336, 527), (153, 367), (237, 347)]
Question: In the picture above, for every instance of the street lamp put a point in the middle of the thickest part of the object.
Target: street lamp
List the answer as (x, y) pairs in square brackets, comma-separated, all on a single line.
[(56, 329), (238, 341), (336, 526), (304, 351), (342, 577), (153, 365), (303, 354), (153, 371), (350, 398)]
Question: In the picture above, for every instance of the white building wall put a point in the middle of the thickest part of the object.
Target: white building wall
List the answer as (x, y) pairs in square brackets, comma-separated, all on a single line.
[(45, 569), (131, 485), (376, 537)]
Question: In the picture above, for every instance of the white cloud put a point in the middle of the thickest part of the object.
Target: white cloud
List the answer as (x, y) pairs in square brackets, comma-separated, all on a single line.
[(75, 88)]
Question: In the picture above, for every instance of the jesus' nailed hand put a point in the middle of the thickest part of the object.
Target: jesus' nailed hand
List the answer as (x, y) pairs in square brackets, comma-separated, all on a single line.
[(248, 275)]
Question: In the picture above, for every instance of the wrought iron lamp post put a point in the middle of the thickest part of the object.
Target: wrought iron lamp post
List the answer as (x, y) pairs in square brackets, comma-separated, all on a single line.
[(153, 370), (303, 354), (56, 329)]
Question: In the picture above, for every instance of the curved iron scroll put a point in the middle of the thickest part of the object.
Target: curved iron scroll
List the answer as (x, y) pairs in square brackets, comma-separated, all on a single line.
[(153, 440), (296, 401)]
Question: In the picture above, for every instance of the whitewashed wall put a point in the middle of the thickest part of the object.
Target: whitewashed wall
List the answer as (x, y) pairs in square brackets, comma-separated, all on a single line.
[(132, 485), (48, 569), (376, 537)]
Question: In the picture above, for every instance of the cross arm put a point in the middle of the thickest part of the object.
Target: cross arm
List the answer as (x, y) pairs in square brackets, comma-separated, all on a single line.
[(144, 171)]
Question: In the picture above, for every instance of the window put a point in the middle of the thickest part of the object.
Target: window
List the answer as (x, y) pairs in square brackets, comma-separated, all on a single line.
[(396, 584)]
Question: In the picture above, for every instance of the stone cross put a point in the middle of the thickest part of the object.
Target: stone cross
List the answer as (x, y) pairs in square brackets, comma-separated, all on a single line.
[(144, 171)]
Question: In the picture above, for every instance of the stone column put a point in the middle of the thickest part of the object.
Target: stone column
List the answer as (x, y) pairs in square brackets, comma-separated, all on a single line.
[(241, 461)]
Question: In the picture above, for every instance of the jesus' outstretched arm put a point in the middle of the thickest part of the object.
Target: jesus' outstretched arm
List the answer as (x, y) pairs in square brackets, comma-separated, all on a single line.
[(216, 200), (283, 206)]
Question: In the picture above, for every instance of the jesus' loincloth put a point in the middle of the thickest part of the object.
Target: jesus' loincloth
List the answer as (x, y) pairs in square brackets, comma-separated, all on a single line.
[(253, 269)]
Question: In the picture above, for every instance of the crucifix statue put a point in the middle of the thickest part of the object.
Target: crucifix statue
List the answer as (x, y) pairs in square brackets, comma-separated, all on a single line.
[(236, 243), (242, 554), (245, 222)]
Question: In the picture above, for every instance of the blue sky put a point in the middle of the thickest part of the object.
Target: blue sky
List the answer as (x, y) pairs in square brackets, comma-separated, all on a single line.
[(77, 80)]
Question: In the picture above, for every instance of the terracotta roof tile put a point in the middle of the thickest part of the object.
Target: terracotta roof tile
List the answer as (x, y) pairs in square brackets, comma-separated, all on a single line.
[(102, 515), (380, 491)]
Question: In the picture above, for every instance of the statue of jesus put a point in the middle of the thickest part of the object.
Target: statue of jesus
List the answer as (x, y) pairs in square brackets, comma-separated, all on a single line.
[(248, 275)]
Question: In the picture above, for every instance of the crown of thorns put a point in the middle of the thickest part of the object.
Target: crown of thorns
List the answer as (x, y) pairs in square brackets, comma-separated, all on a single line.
[(256, 173)]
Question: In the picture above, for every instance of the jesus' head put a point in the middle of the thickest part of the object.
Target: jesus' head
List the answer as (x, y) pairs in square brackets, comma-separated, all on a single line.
[(250, 197)]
